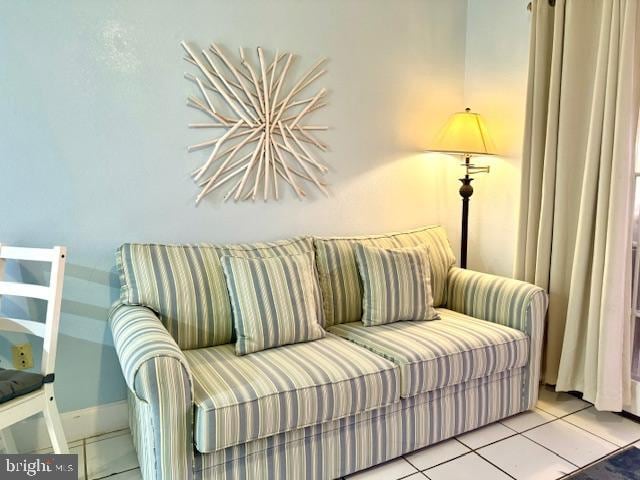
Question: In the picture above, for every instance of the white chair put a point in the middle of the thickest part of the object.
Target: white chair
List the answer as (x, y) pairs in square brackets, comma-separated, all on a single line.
[(42, 399)]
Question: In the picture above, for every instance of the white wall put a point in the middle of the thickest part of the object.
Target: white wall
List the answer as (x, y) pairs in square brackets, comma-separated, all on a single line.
[(94, 131), (93, 137), (496, 67)]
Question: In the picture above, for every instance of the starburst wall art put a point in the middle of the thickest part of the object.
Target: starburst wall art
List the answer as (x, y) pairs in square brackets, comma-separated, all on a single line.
[(262, 140)]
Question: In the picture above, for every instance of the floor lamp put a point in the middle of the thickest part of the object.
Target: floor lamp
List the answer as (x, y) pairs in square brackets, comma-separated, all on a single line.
[(465, 134)]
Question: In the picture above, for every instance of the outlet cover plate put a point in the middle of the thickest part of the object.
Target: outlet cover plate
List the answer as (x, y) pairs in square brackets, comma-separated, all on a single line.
[(22, 356)]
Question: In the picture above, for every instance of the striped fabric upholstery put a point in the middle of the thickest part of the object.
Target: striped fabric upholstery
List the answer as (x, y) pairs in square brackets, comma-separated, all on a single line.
[(396, 284), (432, 355), (340, 447), (138, 337), (185, 285), (508, 302), (273, 300), (239, 399), (338, 272), (159, 379)]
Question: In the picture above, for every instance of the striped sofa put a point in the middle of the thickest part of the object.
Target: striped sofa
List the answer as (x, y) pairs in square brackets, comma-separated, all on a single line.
[(323, 409)]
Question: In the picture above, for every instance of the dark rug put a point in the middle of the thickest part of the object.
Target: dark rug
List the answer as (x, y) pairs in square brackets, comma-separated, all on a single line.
[(624, 465)]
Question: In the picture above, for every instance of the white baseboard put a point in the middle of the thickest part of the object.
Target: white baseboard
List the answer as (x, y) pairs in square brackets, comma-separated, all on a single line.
[(31, 434)]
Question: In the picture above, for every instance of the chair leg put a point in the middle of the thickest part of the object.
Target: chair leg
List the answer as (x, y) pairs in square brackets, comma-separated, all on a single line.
[(8, 441), (54, 427)]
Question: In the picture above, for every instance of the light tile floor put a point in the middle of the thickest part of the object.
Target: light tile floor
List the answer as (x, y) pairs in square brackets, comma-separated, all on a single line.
[(560, 436)]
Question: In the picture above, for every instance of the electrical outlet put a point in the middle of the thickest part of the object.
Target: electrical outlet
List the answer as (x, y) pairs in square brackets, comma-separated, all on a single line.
[(22, 356)]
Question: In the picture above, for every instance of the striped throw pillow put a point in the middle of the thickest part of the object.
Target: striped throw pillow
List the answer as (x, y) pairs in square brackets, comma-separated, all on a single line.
[(274, 300), (396, 284)]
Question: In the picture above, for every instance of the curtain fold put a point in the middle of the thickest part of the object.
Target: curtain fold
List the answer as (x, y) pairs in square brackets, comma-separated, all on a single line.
[(574, 236)]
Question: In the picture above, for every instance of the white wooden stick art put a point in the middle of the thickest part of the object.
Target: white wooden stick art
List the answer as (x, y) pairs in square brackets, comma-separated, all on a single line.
[(260, 135)]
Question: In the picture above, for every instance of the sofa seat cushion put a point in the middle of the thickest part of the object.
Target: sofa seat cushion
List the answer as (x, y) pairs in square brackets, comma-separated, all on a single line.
[(243, 398), (440, 353)]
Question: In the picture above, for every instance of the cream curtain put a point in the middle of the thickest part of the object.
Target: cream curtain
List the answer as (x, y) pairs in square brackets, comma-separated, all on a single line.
[(577, 189)]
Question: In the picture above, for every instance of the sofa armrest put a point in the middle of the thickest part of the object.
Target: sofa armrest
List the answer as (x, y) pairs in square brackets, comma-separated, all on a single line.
[(157, 373), (139, 336), (508, 302)]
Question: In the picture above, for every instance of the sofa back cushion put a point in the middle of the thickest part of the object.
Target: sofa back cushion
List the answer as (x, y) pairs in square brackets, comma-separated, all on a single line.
[(185, 285), (340, 282)]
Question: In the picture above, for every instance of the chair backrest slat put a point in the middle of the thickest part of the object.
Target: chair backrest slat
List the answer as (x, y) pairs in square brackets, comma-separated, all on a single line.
[(19, 325), (51, 293), (24, 290), (31, 254)]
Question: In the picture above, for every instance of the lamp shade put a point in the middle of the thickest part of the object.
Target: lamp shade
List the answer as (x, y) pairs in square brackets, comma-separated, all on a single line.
[(464, 133)]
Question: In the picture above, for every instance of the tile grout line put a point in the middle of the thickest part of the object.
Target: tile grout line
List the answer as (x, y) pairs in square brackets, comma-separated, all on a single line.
[(555, 453), (579, 468), (531, 428), (522, 433), (610, 454), (96, 438), (589, 405), (508, 427), (562, 418), (556, 419), (494, 465), (407, 460), (136, 468), (490, 443), (470, 450), (442, 463), (596, 435), (475, 450)]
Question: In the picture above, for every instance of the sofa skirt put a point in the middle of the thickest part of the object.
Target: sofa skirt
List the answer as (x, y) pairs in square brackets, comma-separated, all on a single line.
[(338, 448)]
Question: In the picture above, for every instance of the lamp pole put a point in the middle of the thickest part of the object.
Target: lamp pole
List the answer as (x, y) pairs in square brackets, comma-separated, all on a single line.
[(466, 190)]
